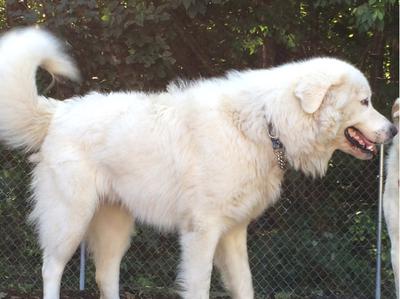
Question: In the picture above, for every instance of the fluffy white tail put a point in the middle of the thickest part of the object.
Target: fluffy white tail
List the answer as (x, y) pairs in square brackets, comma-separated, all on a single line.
[(25, 116)]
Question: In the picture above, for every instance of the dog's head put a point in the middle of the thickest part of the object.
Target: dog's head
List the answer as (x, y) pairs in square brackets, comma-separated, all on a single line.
[(338, 97)]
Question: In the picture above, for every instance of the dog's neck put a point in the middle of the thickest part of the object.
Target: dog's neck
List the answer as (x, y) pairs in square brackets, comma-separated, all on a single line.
[(278, 147), (311, 159), (309, 153), (305, 147)]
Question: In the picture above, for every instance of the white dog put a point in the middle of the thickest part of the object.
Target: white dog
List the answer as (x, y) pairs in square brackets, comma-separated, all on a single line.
[(202, 158), (391, 198)]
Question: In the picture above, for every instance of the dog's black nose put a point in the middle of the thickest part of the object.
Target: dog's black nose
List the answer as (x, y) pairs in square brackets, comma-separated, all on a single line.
[(393, 131)]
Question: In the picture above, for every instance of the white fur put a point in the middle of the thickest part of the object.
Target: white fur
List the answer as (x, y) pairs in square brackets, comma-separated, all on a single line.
[(391, 201), (196, 159), (25, 116)]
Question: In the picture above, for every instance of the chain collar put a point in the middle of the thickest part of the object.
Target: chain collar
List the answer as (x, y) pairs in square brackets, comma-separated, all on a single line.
[(277, 146)]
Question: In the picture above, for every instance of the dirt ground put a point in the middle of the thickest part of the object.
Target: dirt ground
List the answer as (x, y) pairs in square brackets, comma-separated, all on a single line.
[(79, 295)]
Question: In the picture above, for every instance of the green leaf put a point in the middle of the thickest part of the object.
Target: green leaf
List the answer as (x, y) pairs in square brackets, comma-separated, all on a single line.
[(381, 15), (187, 3)]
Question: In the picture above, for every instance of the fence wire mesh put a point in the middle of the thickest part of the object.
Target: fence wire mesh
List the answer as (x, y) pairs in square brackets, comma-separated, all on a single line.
[(318, 241)]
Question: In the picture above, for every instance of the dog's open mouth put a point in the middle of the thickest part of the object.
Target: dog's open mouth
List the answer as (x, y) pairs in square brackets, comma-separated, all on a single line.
[(359, 142)]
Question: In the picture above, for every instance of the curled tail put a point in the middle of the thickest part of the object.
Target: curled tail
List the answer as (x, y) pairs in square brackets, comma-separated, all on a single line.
[(24, 115)]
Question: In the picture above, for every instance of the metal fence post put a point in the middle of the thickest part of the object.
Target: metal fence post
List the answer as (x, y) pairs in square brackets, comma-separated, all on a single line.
[(82, 267), (379, 226)]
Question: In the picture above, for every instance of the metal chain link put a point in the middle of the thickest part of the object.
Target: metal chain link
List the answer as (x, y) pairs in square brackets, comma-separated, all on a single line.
[(318, 241)]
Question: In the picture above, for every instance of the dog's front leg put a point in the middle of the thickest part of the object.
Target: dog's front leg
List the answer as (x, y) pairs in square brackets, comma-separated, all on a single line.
[(198, 247), (231, 260)]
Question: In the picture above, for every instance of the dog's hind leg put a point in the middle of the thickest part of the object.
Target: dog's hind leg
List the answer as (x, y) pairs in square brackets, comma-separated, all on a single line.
[(231, 260), (65, 201), (108, 238)]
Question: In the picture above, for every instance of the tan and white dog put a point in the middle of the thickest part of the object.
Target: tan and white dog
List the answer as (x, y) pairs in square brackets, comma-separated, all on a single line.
[(391, 198), (196, 158)]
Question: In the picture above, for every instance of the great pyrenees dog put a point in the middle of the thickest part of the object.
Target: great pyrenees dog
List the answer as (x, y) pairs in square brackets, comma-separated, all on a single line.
[(202, 158), (391, 200)]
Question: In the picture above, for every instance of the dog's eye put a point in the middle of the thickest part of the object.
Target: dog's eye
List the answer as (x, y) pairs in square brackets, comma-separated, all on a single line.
[(365, 102)]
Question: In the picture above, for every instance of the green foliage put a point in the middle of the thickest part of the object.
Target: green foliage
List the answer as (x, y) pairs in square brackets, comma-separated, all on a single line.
[(139, 44), (2, 14), (144, 44), (369, 15)]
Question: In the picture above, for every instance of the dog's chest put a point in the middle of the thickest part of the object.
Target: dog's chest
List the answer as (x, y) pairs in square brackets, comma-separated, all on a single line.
[(252, 198), (254, 184)]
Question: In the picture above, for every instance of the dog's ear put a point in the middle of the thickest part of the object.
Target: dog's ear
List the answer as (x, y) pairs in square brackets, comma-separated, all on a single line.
[(395, 112), (311, 91)]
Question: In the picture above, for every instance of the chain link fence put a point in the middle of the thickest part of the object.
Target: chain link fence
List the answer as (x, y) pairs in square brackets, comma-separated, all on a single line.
[(318, 241)]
